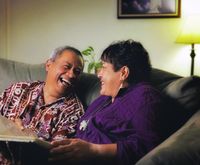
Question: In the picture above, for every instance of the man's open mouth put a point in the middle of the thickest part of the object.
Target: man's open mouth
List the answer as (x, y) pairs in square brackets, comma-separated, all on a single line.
[(65, 82)]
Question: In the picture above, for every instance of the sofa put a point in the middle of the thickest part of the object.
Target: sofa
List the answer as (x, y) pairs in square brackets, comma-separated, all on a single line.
[(182, 147)]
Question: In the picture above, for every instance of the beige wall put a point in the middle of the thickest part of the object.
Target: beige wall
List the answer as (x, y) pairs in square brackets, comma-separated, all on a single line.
[(30, 29), (3, 29)]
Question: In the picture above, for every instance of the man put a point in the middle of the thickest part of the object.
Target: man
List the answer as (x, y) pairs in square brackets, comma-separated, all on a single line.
[(51, 108)]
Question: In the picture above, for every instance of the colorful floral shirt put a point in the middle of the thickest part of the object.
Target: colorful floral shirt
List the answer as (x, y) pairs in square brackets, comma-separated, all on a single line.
[(53, 121)]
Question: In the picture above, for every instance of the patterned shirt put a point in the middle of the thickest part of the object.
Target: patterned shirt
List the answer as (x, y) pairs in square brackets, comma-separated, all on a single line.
[(53, 121)]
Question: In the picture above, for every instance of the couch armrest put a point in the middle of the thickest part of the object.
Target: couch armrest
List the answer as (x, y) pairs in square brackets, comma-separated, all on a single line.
[(181, 148)]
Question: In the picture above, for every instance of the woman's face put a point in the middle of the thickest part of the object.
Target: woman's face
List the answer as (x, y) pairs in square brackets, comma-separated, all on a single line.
[(110, 80)]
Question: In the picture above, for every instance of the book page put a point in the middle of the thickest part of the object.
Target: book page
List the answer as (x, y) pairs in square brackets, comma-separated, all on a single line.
[(9, 131)]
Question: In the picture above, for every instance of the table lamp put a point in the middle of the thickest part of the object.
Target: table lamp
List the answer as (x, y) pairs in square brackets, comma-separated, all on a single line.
[(190, 34)]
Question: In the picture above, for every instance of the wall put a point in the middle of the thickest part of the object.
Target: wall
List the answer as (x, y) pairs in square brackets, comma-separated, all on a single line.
[(3, 28), (30, 29)]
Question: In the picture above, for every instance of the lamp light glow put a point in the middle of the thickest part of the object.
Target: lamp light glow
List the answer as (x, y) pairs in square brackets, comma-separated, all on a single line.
[(190, 34)]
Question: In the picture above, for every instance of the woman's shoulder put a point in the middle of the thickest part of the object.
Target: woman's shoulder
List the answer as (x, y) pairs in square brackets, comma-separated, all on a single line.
[(141, 97), (143, 87), (143, 90)]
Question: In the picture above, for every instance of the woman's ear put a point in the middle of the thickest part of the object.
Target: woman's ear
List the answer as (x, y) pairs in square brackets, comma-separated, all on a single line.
[(124, 73)]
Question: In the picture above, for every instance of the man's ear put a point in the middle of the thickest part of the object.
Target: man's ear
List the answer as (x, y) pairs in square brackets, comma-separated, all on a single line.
[(48, 64), (124, 73)]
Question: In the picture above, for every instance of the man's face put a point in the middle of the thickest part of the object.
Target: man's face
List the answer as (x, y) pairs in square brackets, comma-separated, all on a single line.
[(62, 73)]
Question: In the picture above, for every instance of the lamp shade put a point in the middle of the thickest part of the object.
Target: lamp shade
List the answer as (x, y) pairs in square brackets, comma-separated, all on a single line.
[(190, 33)]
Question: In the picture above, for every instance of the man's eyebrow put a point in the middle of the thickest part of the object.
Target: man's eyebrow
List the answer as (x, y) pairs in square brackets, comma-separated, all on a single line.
[(68, 63)]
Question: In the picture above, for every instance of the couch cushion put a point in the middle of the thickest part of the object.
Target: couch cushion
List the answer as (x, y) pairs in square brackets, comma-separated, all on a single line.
[(160, 78), (186, 91), (88, 87)]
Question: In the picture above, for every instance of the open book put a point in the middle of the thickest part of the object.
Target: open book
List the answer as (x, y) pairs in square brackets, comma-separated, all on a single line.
[(25, 146), (9, 131)]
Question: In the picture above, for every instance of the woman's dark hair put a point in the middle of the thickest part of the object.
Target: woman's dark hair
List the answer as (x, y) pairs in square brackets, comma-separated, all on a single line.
[(131, 54)]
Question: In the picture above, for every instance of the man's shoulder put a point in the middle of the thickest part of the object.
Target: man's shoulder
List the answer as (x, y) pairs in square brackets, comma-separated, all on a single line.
[(24, 86), (27, 83)]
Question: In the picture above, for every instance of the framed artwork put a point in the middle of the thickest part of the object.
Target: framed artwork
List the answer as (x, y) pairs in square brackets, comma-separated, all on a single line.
[(148, 8)]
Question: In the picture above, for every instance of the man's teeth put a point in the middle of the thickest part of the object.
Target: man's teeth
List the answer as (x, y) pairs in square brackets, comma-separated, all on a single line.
[(66, 81)]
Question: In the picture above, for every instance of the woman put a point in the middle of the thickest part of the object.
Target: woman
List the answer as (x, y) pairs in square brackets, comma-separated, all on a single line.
[(120, 126)]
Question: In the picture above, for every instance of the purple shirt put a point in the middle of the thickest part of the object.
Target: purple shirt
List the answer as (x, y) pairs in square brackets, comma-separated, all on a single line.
[(130, 121)]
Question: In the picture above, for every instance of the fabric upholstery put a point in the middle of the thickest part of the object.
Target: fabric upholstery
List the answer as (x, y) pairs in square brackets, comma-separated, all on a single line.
[(161, 78), (12, 71), (181, 148), (88, 88), (186, 91)]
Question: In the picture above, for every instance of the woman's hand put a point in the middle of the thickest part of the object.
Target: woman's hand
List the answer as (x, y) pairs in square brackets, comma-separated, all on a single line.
[(72, 151), (77, 151)]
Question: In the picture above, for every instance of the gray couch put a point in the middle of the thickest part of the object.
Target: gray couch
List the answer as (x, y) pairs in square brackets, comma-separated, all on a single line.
[(181, 148)]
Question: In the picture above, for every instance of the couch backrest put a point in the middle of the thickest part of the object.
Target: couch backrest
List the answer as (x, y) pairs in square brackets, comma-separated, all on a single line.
[(12, 71), (161, 78), (88, 85)]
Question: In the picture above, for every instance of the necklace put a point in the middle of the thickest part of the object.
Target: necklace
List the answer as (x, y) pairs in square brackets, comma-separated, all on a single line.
[(85, 122)]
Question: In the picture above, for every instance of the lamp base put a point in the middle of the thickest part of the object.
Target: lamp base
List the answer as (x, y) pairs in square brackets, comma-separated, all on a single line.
[(192, 55)]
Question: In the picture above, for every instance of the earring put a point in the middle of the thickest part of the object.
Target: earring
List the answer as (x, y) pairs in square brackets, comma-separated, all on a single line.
[(122, 84)]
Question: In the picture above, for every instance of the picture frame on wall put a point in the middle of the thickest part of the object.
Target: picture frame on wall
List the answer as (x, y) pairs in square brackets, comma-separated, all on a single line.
[(148, 8)]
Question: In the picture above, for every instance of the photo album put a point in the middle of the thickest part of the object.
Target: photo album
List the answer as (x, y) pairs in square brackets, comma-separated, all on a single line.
[(22, 145)]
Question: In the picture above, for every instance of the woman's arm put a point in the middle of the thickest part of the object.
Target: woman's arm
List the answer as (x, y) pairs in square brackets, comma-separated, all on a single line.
[(77, 150)]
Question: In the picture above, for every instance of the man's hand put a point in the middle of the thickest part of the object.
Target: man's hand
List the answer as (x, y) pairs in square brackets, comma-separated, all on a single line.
[(18, 122)]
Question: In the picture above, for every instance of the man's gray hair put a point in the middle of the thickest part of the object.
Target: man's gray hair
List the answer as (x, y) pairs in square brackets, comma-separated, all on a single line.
[(58, 51)]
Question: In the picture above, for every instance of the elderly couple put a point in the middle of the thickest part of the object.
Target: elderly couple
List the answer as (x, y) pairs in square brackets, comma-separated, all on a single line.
[(119, 127)]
